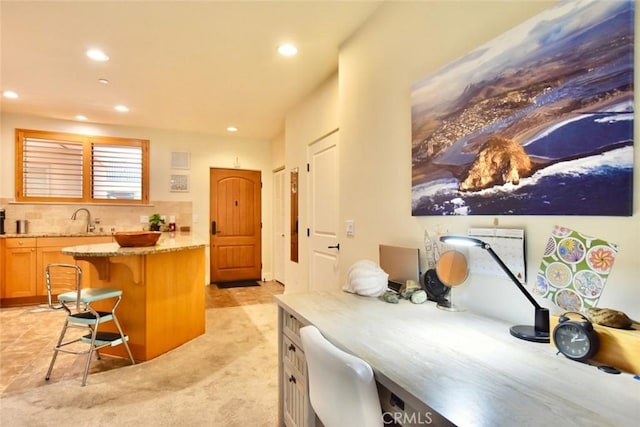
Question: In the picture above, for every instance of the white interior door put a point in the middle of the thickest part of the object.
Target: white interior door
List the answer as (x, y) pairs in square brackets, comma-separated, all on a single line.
[(278, 226), (323, 214)]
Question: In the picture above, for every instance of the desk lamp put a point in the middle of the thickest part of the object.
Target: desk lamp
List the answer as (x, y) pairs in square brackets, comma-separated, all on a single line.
[(537, 333)]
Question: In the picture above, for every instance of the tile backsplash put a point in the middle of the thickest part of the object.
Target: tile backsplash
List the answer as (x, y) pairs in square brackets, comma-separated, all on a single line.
[(56, 218)]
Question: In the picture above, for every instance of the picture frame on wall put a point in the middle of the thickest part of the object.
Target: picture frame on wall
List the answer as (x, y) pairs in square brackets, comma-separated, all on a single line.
[(180, 160), (179, 183), (538, 121)]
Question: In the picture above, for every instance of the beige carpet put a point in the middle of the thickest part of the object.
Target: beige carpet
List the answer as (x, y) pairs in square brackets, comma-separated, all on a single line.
[(227, 377)]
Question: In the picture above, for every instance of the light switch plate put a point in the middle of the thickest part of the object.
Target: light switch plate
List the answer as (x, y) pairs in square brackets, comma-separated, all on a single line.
[(350, 227)]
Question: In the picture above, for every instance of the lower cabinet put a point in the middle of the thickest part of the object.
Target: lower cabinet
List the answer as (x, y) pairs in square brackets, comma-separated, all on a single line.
[(23, 264), (295, 408), (19, 268)]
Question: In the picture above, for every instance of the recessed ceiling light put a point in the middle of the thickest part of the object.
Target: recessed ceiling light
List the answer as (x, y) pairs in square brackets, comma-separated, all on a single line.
[(232, 129), (287, 50), (104, 81), (81, 117), (97, 55), (121, 108), (10, 94)]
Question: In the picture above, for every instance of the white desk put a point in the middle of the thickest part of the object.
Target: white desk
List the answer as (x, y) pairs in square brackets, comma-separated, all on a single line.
[(468, 368)]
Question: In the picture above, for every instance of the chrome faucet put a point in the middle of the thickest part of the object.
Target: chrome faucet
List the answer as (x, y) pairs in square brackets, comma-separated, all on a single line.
[(90, 227)]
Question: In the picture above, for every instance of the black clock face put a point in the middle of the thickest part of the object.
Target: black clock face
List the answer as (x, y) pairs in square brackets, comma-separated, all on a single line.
[(573, 341)]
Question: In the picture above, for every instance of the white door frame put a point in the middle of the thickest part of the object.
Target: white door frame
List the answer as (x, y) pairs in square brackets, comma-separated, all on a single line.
[(279, 235)]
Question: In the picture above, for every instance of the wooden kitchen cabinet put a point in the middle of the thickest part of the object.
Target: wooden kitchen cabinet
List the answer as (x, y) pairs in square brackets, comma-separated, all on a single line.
[(25, 259), (49, 252), (19, 268), (2, 257)]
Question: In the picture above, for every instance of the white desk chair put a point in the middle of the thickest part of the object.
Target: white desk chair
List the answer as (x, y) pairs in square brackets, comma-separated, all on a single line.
[(80, 314), (342, 388)]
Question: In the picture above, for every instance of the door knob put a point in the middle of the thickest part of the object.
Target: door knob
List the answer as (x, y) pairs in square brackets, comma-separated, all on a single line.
[(334, 247)]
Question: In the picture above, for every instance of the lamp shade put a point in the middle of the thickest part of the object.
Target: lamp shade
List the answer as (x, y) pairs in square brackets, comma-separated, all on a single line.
[(462, 241)]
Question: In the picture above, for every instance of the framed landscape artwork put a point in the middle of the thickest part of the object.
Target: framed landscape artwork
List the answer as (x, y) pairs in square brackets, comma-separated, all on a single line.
[(538, 121)]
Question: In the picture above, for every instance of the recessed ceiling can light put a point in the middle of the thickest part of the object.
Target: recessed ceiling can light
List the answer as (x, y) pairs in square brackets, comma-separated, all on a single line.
[(232, 129), (121, 108), (81, 117), (97, 55), (10, 94), (103, 81), (287, 50)]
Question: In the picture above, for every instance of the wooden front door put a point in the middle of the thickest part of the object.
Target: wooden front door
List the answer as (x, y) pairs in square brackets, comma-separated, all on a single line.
[(236, 225)]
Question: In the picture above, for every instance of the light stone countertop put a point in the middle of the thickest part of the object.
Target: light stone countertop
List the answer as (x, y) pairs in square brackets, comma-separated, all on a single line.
[(167, 243), (467, 367), (61, 234)]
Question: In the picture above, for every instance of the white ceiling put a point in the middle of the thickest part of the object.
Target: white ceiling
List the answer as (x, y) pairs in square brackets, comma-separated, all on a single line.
[(189, 66)]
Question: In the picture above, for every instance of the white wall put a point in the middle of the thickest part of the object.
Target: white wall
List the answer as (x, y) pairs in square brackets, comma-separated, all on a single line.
[(401, 43), (207, 151), (312, 119)]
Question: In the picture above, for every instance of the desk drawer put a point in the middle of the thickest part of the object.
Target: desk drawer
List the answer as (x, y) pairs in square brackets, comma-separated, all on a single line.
[(294, 355), (295, 398), (291, 324)]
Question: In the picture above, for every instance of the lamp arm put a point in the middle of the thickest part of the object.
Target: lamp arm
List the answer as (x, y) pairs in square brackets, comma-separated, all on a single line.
[(511, 276)]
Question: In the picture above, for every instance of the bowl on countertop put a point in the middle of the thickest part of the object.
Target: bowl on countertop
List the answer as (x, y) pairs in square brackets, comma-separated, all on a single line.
[(128, 239)]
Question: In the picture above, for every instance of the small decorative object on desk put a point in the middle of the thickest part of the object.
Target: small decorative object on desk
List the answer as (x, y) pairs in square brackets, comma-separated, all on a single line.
[(366, 278), (391, 297), (609, 317), (409, 287), (418, 297), (136, 238)]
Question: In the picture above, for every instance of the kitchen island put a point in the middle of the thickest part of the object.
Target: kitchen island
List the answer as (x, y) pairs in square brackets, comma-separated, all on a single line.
[(162, 305)]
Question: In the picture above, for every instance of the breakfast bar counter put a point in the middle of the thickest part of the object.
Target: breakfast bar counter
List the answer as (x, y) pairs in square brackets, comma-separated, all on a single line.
[(163, 290)]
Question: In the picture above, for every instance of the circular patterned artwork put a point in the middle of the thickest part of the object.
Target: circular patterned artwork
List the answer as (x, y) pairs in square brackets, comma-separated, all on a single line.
[(571, 250), (551, 247), (541, 287), (588, 284), (560, 231), (568, 300), (600, 259), (558, 274)]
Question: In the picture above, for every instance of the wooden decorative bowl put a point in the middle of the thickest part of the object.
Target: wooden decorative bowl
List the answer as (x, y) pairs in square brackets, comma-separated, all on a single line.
[(136, 238)]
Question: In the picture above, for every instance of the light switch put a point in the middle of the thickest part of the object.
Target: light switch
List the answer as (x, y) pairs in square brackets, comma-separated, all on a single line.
[(350, 228), (144, 219)]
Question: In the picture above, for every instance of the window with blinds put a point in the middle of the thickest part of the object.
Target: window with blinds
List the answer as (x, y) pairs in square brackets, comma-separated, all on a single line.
[(116, 172), (51, 168), (76, 168)]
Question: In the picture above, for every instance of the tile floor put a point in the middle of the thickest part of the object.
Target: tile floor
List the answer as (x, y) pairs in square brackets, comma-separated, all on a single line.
[(28, 333)]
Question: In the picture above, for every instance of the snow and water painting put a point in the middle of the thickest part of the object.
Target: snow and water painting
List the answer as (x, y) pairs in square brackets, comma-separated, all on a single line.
[(538, 121)]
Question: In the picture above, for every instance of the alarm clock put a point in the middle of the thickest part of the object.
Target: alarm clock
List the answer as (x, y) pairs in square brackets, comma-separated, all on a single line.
[(576, 339)]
